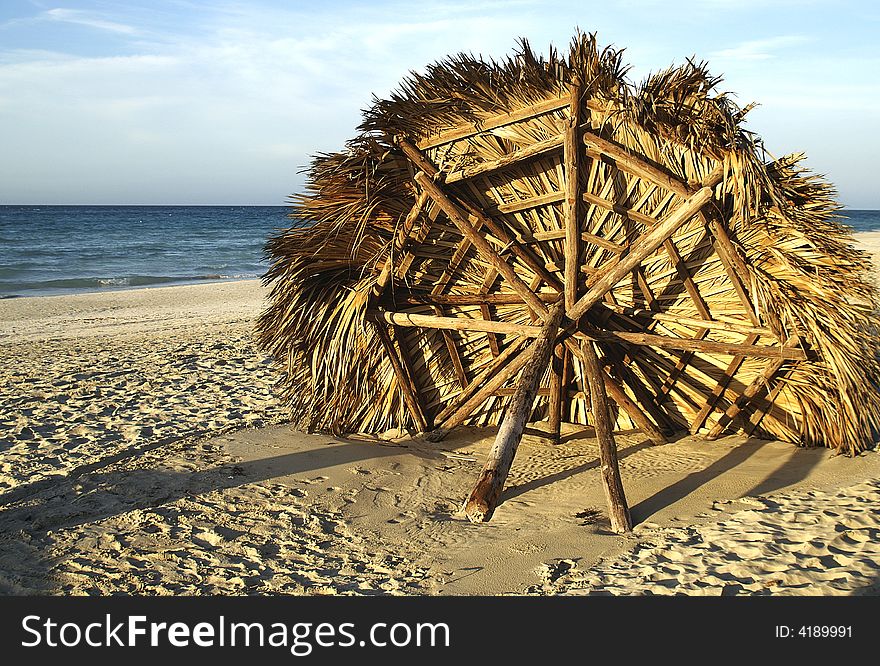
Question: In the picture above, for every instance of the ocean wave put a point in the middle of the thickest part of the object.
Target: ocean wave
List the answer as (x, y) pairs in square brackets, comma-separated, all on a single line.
[(10, 289)]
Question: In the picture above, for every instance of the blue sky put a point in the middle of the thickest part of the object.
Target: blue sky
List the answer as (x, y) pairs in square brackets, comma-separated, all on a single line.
[(187, 102)]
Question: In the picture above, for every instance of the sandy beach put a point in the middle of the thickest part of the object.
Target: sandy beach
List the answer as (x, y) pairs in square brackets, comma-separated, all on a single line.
[(142, 451)]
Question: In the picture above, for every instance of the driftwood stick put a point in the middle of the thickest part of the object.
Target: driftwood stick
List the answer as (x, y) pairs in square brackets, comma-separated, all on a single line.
[(484, 498), (618, 510), (410, 396), (643, 247)]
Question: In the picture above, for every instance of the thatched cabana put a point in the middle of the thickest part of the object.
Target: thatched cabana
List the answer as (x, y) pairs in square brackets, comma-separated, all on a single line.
[(546, 214)]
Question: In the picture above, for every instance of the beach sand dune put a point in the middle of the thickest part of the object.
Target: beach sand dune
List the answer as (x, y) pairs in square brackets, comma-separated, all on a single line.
[(143, 451)]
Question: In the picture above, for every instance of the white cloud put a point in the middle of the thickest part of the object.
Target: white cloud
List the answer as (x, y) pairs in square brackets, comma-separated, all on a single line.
[(88, 19), (759, 49)]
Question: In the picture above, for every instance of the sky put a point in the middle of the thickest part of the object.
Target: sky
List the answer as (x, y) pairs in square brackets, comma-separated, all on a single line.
[(187, 102)]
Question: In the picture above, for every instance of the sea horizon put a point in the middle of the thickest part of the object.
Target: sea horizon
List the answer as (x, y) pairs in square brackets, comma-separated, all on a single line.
[(58, 249)]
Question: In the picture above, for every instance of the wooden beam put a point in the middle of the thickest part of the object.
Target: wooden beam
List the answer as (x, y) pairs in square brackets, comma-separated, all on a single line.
[(410, 395), (639, 250), (488, 280), (628, 213), (720, 387), (407, 319), (618, 511), (643, 395), (636, 165), (691, 321), (694, 345), (487, 492), (422, 163), (750, 392), (452, 350), (496, 364), (453, 323), (758, 415), (526, 204), (481, 244), (572, 190), (559, 234), (733, 266), (533, 150), (457, 300), (467, 130)]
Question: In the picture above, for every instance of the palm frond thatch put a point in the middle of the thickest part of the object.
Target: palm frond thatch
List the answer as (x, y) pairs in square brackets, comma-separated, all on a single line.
[(765, 267)]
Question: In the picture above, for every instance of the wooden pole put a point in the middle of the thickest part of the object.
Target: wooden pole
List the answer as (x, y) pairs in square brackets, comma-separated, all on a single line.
[(410, 320), (399, 243), (496, 364), (466, 130), (750, 392), (572, 227), (484, 498), (423, 164), (558, 388), (534, 150), (618, 510), (487, 389)]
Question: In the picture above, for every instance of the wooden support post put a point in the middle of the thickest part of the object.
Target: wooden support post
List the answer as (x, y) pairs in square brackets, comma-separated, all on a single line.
[(484, 498), (618, 511), (572, 195), (643, 247), (482, 245), (558, 389), (619, 396), (410, 396)]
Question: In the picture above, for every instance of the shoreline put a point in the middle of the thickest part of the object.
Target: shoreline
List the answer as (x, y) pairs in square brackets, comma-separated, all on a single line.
[(115, 288)]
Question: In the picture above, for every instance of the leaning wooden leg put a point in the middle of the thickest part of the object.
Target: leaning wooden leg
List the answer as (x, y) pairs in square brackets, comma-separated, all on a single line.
[(484, 498), (558, 387), (617, 507)]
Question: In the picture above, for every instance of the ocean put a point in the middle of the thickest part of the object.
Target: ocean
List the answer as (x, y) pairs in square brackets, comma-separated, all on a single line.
[(48, 250)]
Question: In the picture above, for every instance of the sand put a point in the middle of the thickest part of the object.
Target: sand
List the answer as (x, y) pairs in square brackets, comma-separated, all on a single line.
[(142, 451)]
